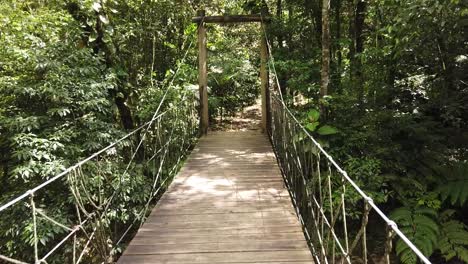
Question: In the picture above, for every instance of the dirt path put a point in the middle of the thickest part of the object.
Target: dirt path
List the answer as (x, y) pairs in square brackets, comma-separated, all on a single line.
[(247, 119)]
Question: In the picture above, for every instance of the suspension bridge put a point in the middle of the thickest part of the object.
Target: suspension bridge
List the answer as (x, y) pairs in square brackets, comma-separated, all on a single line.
[(227, 197)]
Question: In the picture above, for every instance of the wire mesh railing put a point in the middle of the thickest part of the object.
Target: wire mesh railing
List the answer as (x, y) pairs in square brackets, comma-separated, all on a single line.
[(333, 209), (86, 212), (323, 193)]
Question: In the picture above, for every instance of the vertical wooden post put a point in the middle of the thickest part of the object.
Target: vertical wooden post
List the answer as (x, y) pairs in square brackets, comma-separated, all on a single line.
[(202, 75), (264, 83)]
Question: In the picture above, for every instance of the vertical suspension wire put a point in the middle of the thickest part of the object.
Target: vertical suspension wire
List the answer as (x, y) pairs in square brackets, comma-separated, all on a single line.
[(364, 232), (323, 256), (389, 244), (361, 234), (74, 249), (330, 198), (168, 160), (34, 216), (319, 175), (345, 224), (100, 180)]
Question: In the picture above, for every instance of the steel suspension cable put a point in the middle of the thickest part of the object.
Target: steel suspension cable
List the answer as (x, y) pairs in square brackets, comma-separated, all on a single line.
[(30, 193), (390, 223)]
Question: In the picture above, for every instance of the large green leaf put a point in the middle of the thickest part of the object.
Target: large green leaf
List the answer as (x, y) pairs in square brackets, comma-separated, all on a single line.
[(312, 126), (313, 115), (327, 130)]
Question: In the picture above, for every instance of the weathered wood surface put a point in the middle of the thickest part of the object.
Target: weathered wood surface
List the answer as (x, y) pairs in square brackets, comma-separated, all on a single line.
[(203, 77), (227, 205)]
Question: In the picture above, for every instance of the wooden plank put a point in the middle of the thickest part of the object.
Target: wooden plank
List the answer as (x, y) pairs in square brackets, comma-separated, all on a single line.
[(238, 211), (220, 224), (226, 216), (210, 209), (235, 246), (231, 19), (283, 203), (223, 257), (185, 238), (277, 214), (227, 205), (208, 231)]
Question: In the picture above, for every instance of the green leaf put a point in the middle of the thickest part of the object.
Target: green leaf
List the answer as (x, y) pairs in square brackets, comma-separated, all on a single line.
[(104, 19), (327, 130), (312, 126), (313, 115), (170, 45), (97, 6)]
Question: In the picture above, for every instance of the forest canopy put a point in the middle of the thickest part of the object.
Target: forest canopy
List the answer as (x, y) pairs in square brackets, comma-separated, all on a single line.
[(75, 75)]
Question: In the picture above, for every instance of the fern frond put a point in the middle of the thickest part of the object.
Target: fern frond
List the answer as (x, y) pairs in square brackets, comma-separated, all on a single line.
[(426, 221), (420, 226), (407, 256), (453, 241), (462, 254), (401, 214), (454, 186), (425, 211)]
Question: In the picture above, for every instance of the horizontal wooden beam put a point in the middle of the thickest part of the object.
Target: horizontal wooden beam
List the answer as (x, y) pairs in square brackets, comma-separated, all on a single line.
[(231, 19)]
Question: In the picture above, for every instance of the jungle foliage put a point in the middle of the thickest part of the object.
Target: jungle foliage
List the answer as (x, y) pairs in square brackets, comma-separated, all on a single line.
[(398, 99), (77, 74)]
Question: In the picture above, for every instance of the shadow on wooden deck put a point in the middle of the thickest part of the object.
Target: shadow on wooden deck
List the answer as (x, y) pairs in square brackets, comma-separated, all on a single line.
[(228, 204)]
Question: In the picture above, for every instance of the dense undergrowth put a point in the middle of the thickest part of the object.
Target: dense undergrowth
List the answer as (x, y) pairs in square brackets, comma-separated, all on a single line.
[(77, 74)]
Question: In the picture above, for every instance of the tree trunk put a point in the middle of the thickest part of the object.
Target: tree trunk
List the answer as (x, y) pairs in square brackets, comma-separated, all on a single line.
[(280, 38), (99, 45), (313, 8), (289, 34), (279, 15), (359, 48), (339, 56), (325, 72), (351, 34), (356, 47), (124, 112)]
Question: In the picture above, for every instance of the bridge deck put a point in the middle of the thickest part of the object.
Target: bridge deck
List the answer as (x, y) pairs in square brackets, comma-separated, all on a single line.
[(227, 205)]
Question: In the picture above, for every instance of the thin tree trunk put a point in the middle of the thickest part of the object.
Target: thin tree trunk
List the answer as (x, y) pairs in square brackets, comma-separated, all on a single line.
[(280, 38), (325, 72), (338, 33), (289, 34), (359, 44), (313, 8), (352, 46), (279, 15)]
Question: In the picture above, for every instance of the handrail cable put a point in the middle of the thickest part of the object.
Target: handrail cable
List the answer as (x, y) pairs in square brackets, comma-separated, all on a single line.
[(71, 168), (344, 174), (30, 193)]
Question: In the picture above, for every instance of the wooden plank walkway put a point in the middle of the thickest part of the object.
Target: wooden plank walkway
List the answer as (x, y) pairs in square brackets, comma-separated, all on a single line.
[(228, 204)]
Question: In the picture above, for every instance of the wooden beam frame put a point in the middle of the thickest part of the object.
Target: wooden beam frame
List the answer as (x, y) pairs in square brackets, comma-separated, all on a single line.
[(201, 20), (264, 85), (203, 77)]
